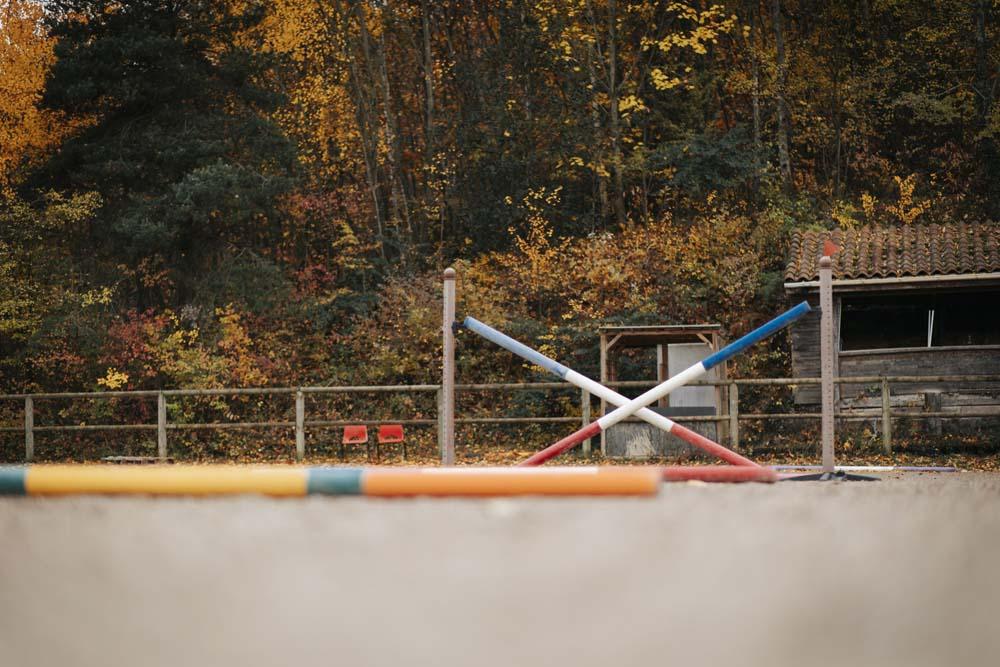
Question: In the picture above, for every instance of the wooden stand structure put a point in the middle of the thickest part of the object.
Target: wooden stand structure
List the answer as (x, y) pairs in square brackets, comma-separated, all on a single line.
[(617, 338)]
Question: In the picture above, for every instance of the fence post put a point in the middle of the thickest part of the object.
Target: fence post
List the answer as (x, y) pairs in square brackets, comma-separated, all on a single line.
[(585, 417), (886, 418), (448, 371), (300, 425), (439, 398), (734, 416), (29, 429), (826, 354), (161, 425)]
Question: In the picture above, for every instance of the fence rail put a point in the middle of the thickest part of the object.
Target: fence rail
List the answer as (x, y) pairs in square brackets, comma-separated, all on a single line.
[(885, 413)]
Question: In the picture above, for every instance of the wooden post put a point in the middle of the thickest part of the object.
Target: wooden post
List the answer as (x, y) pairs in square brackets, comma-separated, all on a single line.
[(604, 381), (29, 429), (662, 372), (933, 403), (447, 443), (439, 402), (585, 417), (161, 426), (826, 359), (734, 416), (886, 418), (300, 425)]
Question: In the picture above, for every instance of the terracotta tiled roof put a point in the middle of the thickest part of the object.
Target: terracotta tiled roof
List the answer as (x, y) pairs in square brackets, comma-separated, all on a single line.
[(896, 252)]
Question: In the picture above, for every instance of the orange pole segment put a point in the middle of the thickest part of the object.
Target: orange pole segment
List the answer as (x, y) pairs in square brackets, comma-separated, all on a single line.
[(602, 481)]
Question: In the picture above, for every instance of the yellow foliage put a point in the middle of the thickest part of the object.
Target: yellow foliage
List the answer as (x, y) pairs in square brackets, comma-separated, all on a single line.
[(100, 296), (114, 379), (236, 345), (905, 210), (868, 206), (25, 58)]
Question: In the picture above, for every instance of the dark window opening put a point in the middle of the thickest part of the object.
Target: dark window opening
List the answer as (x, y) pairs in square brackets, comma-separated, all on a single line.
[(939, 319)]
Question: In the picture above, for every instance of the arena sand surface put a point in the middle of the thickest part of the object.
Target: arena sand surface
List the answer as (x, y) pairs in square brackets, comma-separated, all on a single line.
[(902, 572)]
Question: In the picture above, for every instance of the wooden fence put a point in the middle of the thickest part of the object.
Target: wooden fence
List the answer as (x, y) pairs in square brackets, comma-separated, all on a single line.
[(733, 416)]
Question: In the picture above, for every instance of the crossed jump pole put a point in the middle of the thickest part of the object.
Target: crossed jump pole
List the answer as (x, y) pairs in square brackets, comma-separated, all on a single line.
[(598, 389), (689, 374)]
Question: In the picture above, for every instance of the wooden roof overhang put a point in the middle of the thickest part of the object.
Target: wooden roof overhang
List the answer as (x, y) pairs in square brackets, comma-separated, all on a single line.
[(902, 283), (659, 334)]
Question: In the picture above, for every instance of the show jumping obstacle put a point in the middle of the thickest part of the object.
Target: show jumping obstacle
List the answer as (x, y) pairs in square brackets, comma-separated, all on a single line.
[(54, 480), (661, 390), (599, 390)]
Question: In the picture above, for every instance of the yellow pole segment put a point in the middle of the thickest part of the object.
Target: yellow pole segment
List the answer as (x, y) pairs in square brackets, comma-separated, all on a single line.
[(165, 480)]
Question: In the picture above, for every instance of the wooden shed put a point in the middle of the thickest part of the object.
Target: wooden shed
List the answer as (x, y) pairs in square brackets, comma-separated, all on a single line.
[(921, 300)]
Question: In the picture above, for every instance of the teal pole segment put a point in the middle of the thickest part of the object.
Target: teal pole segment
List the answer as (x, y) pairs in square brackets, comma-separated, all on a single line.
[(334, 481), (12, 480)]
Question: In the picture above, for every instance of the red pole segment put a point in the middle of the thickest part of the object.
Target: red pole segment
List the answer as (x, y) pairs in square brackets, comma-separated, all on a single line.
[(718, 474), (711, 446), (558, 448)]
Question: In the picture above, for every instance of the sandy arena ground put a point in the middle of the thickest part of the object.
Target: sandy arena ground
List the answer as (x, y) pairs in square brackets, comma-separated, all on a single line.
[(902, 572)]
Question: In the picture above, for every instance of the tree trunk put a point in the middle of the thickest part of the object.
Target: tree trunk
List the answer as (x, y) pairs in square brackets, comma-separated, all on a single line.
[(428, 84), (784, 122), (984, 92), (616, 152), (363, 113), (400, 212), (598, 142)]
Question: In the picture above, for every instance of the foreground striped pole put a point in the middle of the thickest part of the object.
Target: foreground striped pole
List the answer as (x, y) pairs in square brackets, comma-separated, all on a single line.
[(52, 480), (656, 393), (598, 389)]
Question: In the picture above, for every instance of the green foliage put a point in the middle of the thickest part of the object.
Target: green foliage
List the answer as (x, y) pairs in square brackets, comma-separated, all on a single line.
[(177, 141)]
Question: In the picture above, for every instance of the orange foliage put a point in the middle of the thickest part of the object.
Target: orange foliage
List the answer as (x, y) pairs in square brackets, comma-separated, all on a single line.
[(25, 58)]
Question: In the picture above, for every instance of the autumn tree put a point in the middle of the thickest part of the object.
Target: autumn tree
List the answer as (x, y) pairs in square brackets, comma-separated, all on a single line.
[(26, 131)]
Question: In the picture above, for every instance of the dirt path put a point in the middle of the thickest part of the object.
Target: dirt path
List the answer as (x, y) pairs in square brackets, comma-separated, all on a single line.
[(904, 572)]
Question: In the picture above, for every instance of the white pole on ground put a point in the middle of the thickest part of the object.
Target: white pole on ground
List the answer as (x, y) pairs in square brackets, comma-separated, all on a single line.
[(826, 358), (447, 408)]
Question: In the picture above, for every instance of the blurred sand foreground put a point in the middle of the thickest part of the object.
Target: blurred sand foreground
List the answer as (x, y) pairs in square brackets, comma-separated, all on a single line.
[(902, 572)]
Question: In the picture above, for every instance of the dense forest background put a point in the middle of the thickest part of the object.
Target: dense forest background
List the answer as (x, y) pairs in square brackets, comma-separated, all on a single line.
[(205, 193)]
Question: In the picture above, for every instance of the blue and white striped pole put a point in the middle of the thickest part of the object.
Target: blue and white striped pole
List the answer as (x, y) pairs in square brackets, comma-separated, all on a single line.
[(598, 389), (661, 390)]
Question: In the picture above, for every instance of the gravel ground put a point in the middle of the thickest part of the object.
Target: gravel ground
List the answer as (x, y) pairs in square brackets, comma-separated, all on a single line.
[(902, 572)]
